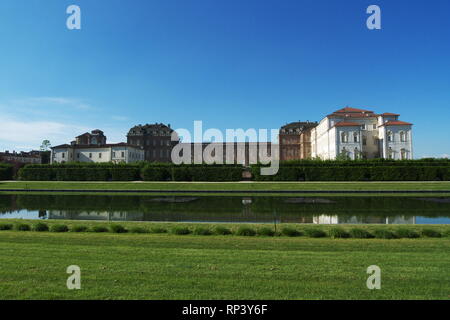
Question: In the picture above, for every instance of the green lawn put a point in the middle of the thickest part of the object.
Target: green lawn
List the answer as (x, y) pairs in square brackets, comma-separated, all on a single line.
[(166, 266), (245, 187)]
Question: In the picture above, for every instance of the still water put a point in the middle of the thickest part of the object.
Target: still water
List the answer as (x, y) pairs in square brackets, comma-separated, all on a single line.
[(317, 210)]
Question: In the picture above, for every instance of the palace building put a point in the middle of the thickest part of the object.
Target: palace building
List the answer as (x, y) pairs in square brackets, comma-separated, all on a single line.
[(361, 134), (295, 140), (92, 147), (348, 133), (154, 139)]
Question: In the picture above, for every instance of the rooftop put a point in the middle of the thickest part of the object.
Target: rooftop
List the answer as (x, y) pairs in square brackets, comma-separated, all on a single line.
[(347, 124), (396, 123), (107, 145)]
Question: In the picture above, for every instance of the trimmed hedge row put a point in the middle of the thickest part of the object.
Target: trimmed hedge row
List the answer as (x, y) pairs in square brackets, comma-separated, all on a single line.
[(6, 171), (74, 165), (347, 173), (79, 174), (426, 162), (149, 172), (192, 173), (305, 170)]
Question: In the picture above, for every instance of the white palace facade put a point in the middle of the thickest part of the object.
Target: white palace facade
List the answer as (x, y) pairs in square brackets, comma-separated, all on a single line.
[(92, 147), (356, 133)]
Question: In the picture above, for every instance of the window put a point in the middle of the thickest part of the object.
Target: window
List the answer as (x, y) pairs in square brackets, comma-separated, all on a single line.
[(114, 154), (344, 137), (402, 136), (363, 126), (374, 126), (364, 140), (390, 136), (123, 154), (154, 142), (355, 136), (90, 155), (356, 154), (99, 155), (390, 153), (63, 155)]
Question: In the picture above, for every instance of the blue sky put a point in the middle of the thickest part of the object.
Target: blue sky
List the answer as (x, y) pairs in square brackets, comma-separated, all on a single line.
[(230, 63)]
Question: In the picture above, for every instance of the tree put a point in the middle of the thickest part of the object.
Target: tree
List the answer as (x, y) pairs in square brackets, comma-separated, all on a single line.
[(45, 151), (46, 145)]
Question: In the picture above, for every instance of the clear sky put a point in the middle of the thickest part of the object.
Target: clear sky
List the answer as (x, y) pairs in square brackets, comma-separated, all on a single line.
[(230, 63)]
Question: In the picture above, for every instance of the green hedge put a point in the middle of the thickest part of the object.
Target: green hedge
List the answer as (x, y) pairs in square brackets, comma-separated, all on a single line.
[(125, 174), (192, 173), (367, 163), (306, 170), (6, 171), (79, 173), (357, 173), (122, 172)]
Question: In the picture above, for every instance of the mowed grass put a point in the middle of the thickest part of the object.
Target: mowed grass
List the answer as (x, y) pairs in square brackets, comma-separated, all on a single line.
[(246, 187), (166, 266)]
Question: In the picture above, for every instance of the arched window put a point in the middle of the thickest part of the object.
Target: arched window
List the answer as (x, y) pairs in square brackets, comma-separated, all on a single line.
[(344, 137), (402, 136), (390, 136), (355, 137)]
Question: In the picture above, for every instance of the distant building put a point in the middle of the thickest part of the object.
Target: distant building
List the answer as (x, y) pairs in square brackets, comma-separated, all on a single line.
[(295, 140), (154, 139), (92, 147), (362, 134), (32, 157), (346, 133), (243, 153), (96, 137)]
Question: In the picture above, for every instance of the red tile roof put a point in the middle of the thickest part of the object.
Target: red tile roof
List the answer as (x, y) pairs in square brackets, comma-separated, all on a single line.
[(352, 110), (352, 115), (347, 124), (396, 123), (348, 112)]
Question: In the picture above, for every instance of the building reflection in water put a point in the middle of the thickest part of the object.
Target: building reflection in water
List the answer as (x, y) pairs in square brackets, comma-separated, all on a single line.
[(335, 219), (246, 213), (95, 215)]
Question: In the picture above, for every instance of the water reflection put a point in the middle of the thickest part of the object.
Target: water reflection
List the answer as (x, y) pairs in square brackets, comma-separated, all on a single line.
[(334, 219), (345, 210)]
